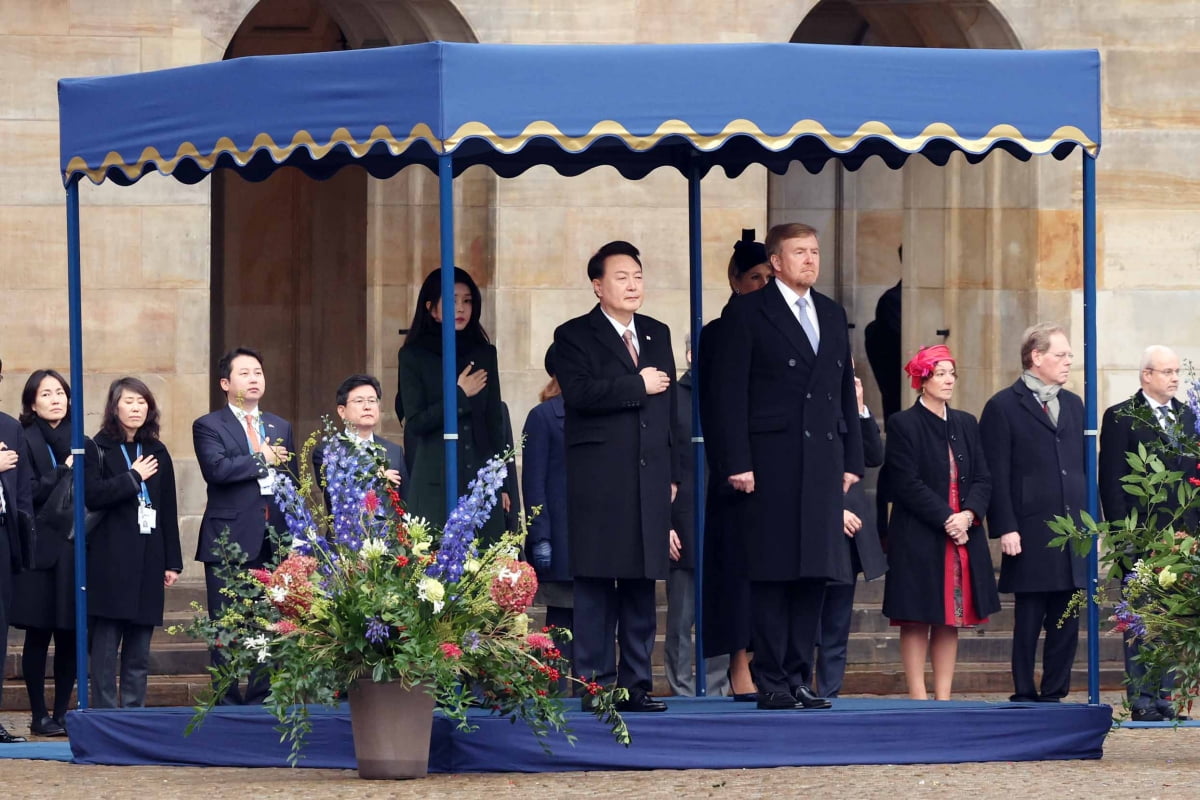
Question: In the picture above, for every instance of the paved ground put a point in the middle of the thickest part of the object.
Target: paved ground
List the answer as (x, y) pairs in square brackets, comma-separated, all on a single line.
[(1145, 763)]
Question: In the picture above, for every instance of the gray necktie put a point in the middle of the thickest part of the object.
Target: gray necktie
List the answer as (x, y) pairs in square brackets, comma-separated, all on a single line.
[(1165, 418), (809, 329)]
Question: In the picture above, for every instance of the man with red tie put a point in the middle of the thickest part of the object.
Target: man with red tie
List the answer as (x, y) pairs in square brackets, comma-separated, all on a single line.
[(239, 448)]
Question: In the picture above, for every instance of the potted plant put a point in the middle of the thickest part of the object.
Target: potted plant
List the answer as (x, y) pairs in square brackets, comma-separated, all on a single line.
[(368, 603)]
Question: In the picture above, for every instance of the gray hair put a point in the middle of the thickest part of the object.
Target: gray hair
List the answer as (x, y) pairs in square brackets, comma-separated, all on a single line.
[(1037, 337), (1149, 354)]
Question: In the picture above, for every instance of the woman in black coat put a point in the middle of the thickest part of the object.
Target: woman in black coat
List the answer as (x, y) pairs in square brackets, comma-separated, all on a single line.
[(726, 592), (480, 418), (940, 574), (133, 553), (44, 596), (544, 475)]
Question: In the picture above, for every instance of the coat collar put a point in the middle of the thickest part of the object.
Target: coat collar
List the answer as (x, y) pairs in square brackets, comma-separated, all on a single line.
[(607, 334), (781, 316), (1031, 404)]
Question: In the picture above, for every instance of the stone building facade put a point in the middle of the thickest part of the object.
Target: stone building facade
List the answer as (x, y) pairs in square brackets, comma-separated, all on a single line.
[(322, 276)]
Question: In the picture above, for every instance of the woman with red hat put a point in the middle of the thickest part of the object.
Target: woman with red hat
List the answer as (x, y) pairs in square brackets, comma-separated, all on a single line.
[(940, 574)]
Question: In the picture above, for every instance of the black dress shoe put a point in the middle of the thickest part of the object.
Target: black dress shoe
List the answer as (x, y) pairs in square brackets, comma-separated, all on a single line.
[(46, 726), (806, 698), (776, 701), (8, 738), (1147, 715), (640, 701)]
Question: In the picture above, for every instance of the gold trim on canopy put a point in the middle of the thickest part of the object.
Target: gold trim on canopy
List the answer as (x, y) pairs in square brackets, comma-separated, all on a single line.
[(576, 144)]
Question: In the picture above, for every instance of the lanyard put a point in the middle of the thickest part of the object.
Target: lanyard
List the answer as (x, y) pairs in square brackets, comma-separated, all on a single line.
[(145, 493), (53, 460)]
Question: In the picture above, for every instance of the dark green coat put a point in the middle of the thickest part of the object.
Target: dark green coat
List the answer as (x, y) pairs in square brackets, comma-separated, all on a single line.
[(480, 429)]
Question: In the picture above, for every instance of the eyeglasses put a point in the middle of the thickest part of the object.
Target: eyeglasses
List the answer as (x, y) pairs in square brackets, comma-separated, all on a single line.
[(1064, 355), (1170, 373), (364, 401)]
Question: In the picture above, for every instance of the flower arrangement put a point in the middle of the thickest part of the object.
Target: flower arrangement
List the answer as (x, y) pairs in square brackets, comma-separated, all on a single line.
[(1153, 556), (367, 592)]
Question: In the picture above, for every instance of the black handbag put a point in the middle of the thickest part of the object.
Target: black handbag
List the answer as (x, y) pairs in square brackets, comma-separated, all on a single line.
[(55, 522)]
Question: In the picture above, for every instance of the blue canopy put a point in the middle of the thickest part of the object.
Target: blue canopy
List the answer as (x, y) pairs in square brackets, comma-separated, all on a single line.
[(633, 107)]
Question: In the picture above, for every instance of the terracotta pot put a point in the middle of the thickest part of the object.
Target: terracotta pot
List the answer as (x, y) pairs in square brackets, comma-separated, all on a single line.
[(392, 726)]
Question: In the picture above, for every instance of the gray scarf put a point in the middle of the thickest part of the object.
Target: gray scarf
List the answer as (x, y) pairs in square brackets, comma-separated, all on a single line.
[(1046, 393)]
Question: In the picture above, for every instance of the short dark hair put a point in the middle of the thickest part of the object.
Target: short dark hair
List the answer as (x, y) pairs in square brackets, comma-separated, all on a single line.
[(595, 265), (225, 365), (353, 382), (110, 425), (29, 393)]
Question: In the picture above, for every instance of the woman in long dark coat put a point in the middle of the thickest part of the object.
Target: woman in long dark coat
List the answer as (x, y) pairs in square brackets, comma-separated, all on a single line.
[(480, 419), (44, 597), (940, 574), (726, 592), (133, 553)]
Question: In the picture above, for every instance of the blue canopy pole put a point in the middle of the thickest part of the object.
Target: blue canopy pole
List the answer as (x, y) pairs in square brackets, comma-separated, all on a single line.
[(695, 259), (449, 352), (1090, 427), (75, 320)]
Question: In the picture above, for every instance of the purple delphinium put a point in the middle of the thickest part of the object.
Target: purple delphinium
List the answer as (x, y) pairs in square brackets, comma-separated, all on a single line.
[(296, 515), (349, 471), (376, 631), (1193, 401), (472, 511), (1133, 622), (471, 641)]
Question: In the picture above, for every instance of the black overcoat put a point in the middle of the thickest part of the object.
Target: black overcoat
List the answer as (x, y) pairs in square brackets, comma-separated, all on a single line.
[(1121, 433), (544, 474), (1037, 473), (866, 544), (683, 509), (620, 463), (787, 414), (421, 392), (918, 460), (124, 567)]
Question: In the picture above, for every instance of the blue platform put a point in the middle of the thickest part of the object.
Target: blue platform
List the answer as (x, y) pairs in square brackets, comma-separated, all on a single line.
[(710, 733)]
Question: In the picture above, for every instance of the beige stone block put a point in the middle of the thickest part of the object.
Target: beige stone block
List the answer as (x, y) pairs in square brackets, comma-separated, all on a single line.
[(96, 18), (1142, 169), (924, 184), (29, 175), (130, 330), (1170, 100), (192, 344), (41, 338), (511, 331), (745, 191), (1008, 182), (153, 189), (1162, 317), (965, 183), (1010, 247), (925, 247), (183, 47), (110, 246), (34, 17), (1060, 183), (33, 240), (403, 243), (799, 188), (176, 248), (190, 488), (878, 234), (1152, 249), (876, 185), (40, 61), (1060, 249), (529, 247)]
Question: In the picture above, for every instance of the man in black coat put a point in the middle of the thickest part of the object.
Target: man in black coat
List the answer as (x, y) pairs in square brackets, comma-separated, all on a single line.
[(16, 498), (358, 407), (784, 392), (239, 448), (616, 371), (1032, 435), (1121, 433)]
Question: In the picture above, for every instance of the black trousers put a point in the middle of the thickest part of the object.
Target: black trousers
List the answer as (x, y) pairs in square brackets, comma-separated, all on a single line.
[(786, 615), (610, 612), (1034, 612), (132, 641), (259, 684)]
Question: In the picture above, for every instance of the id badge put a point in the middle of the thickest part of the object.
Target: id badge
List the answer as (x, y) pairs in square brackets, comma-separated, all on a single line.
[(266, 486), (147, 519)]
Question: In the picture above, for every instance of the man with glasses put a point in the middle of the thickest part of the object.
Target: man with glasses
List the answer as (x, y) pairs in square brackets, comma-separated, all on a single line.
[(1152, 417), (1033, 438), (359, 409)]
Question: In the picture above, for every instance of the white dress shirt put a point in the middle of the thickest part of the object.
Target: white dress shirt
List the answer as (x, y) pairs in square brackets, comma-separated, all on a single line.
[(637, 345), (790, 297)]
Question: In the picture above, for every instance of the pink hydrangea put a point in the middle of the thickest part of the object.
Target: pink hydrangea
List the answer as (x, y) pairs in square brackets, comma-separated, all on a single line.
[(514, 586)]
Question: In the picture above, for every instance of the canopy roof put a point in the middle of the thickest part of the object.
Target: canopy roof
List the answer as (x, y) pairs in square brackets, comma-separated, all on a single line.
[(574, 107)]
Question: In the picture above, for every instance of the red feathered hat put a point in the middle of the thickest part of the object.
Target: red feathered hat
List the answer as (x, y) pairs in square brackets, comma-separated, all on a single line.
[(922, 364)]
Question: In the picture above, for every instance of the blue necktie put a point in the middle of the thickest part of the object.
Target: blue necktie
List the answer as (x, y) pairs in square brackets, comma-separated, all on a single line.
[(809, 329)]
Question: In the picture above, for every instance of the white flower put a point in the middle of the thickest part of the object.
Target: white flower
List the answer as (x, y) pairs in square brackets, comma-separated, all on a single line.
[(520, 625), (261, 644), (373, 549), (278, 594), (1166, 578), (431, 590), (420, 549), (471, 565)]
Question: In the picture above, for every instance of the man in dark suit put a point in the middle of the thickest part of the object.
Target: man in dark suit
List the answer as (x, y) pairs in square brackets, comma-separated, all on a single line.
[(358, 399), (784, 391), (16, 498), (239, 448), (1032, 435), (615, 368), (1121, 432)]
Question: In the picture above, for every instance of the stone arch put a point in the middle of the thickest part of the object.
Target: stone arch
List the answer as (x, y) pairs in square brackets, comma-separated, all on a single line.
[(970, 233), (321, 275)]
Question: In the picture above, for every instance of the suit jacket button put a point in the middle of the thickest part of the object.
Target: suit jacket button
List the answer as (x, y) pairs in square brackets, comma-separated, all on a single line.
[(960, 458), (807, 435), (643, 462), (829, 436), (643, 424), (828, 396), (808, 396), (1064, 472), (953, 438), (839, 363), (791, 362), (1068, 509)]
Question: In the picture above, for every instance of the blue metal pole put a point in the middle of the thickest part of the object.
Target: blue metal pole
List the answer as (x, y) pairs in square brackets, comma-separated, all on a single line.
[(449, 352), (75, 321), (695, 258), (1090, 432)]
